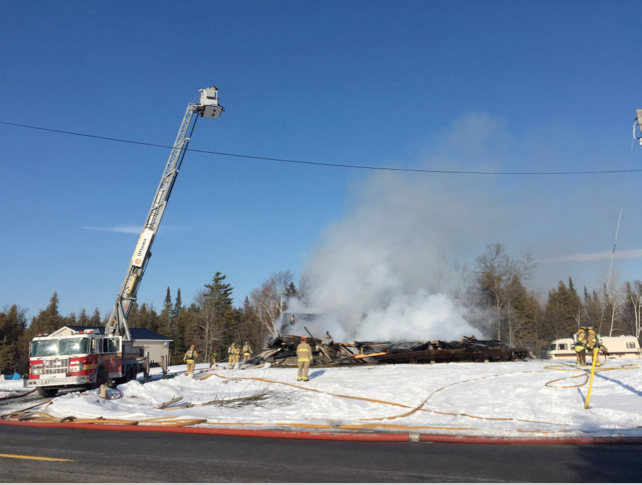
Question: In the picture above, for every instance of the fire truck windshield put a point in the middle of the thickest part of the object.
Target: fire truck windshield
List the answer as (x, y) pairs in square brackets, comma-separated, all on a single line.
[(68, 346), (63, 346), (43, 348)]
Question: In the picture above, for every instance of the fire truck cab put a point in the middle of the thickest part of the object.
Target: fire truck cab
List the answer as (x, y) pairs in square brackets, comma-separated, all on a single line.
[(83, 359)]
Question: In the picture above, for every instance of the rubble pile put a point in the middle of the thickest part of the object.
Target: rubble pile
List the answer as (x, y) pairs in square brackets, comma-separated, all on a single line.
[(282, 351)]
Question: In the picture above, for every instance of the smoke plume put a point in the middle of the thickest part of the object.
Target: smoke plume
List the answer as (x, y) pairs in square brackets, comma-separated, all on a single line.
[(382, 272)]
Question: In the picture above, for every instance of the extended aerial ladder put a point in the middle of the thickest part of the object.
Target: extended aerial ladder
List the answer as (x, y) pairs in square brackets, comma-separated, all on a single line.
[(637, 134), (208, 107)]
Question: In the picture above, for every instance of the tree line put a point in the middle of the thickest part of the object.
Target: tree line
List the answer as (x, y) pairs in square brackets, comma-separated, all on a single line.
[(495, 291), (523, 317), (211, 322)]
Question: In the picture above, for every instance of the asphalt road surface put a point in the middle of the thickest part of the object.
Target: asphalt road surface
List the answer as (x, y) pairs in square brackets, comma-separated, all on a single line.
[(118, 456)]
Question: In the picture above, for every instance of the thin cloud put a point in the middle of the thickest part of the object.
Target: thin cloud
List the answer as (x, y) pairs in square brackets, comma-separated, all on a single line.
[(630, 254)]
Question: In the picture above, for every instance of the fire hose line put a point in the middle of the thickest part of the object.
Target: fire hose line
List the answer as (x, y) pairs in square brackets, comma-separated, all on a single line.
[(421, 406), (7, 416), (48, 418), (584, 373), (308, 389), (16, 397), (178, 422), (412, 411), (37, 416), (342, 426)]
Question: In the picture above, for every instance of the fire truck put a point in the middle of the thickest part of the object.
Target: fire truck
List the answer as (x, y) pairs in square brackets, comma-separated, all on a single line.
[(87, 358)]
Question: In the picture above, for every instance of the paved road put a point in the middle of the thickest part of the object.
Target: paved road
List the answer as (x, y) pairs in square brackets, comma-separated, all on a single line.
[(115, 456)]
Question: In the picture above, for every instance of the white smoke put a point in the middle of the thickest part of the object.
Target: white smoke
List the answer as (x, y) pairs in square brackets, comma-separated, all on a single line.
[(381, 273), (385, 269)]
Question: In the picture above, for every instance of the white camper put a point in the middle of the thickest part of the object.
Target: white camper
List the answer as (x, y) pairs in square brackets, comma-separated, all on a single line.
[(618, 348)]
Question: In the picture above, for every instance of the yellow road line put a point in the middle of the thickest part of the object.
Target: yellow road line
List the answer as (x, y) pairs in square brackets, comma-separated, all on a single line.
[(42, 458)]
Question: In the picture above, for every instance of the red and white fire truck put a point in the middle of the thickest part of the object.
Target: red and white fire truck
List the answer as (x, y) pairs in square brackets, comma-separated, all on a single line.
[(87, 358), (84, 358)]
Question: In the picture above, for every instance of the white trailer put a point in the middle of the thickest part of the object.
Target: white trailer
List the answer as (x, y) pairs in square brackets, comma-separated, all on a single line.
[(626, 347)]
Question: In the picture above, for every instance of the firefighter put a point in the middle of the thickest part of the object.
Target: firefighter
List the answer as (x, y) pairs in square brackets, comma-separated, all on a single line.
[(237, 354), (232, 354), (190, 359), (594, 341), (304, 354), (328, 340), (247, 352), (213, 357), (328, 343), (580, 345)]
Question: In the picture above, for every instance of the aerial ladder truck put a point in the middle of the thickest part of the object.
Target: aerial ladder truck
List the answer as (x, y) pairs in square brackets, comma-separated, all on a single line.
[(87, 358)]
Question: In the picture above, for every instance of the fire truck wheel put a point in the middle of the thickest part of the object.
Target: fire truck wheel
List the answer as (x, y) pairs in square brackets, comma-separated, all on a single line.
[(134, 373), (47, 391)]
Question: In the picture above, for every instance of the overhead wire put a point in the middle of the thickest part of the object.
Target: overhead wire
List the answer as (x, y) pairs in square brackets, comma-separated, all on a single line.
[(322, 164)]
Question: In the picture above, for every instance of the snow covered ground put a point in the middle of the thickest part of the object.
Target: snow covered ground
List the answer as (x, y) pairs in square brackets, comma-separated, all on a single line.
[(490, 399)]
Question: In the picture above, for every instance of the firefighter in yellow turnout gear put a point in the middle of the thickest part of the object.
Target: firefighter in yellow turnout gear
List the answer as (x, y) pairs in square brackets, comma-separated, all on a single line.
[(580, 345), (304, 354), (190, 359), (232, 356), (247, 352), (594, 341)]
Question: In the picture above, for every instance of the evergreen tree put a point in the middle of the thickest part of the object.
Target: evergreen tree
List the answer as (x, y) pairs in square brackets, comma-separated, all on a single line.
[(563, 312), (13, 353), (291, 291), (148, 319), (165, 324), (133, 319), (178, 306), (522, 317), (49, 319), (592, 309), (95, 320), (83, 319), (71, 320), (215, 323)]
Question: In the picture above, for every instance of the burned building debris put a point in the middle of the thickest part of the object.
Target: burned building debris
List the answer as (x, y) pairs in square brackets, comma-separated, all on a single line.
[(282, 351)]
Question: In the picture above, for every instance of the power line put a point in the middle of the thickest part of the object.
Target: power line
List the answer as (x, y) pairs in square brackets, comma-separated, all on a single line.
[(323, 164)]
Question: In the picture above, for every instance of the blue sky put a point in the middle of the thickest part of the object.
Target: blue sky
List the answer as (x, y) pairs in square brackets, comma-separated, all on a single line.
[(505, 86)]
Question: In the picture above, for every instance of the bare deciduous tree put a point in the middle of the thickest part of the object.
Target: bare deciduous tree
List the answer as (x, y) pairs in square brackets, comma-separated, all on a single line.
[(634, 294), (269, 300), (499, 277)]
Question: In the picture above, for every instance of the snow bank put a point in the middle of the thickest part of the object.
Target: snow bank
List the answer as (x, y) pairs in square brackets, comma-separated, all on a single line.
[(499, 399)]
